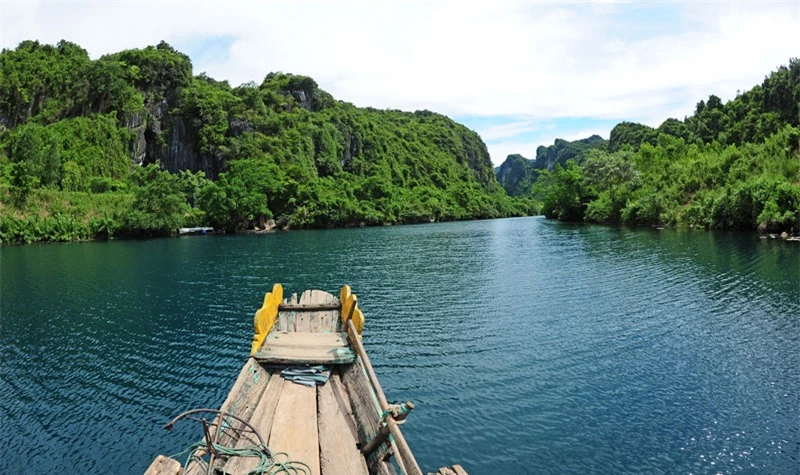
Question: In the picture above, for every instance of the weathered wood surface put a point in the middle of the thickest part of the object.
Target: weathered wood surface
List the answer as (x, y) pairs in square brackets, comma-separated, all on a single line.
[(302, 321), (404, 457), (366, 412), (325, 319), (163, 465), (283, 316), (244, 395), (454, 470), (328, 305), (337, 438), (294, 429), (305, 347), (383, 467), (307, 340), (313, 311), (363, 401), (261, 420), (305, 355), (459, 470), (343, 400), (241, 402)]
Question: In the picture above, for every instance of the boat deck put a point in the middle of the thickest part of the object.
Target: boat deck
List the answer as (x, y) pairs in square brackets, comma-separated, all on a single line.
[(338, 427), (313, 425)]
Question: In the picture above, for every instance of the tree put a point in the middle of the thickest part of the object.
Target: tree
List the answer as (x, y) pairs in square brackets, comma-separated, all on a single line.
[(561, 193), (240, 198), (158, 206), (39, 150), (610, 177), (630, 133)]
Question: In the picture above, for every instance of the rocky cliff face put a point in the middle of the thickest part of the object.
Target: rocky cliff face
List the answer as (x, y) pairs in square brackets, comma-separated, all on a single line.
[(517, 174), (562, 151), (160, 136), (196, 123)]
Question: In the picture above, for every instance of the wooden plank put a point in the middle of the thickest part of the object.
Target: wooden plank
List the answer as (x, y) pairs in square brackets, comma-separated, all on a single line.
[(264, 414), (307, 340), (446, 471), (316, 324), (405, 458), (310, 348), (261, 420), (290, 322), (363, 401), (331, 322), (331, 317), (343, 400), (243, 396), (305, 355), (283, 316), (252, 383), (302, 321), (328, 312), (294, 429), (459, 470), (383, 467), (252, 378), (337, 442), (164, 466), (307, 307)]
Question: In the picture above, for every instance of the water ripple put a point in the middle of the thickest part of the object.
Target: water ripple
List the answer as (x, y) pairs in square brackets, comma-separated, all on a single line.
[(565, 349)]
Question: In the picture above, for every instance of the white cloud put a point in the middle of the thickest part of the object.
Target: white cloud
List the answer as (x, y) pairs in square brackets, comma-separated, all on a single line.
[(527, 60), (511, 129), (501, 149)]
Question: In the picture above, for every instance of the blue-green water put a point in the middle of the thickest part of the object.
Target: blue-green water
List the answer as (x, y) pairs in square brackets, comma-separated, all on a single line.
[(527, 346)]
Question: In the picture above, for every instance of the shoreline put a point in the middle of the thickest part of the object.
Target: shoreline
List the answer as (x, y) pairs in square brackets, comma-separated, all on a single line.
[(271, 227)]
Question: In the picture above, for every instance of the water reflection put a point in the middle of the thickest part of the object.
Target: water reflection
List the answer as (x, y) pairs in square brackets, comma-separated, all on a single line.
[(528, 346)]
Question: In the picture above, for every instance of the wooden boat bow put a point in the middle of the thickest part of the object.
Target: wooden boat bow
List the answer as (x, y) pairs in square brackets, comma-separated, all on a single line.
[(344, 426)]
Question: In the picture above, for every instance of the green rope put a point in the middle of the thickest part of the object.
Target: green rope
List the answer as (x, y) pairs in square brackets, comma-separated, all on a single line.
[(277, 463)]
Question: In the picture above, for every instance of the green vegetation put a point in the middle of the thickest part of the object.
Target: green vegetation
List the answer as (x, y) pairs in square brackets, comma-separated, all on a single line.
[(518, 174), (132, 144), (732, 165)]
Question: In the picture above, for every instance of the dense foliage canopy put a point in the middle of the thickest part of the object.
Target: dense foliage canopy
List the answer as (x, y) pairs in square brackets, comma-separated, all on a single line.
[(733, 165), (518, 174), (133, 144)]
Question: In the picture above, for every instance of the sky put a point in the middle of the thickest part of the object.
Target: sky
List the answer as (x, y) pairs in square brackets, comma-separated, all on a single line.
[(520, 73)]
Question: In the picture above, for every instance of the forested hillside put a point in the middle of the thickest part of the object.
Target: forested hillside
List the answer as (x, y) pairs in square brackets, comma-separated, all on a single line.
[(733, 165), (134, 144), (517, 174)]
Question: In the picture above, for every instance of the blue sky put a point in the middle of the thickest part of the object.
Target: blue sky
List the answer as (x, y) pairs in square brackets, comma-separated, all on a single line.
[(520, 73), (508, 135)]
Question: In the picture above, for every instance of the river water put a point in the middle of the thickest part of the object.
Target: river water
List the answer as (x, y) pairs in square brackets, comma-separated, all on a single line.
[(527, 346)]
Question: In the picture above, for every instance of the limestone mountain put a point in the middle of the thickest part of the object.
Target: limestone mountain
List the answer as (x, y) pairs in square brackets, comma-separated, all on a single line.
[(517, 174), (75, 131)]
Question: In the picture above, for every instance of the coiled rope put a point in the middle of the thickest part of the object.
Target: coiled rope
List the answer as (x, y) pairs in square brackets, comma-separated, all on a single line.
[(269, 463)]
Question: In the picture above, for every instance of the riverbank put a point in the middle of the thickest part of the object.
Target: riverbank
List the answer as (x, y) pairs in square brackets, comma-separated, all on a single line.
[(59, 216)]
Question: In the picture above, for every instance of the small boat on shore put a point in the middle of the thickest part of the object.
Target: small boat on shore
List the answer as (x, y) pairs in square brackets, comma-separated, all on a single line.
[(307, 401)]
